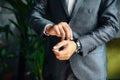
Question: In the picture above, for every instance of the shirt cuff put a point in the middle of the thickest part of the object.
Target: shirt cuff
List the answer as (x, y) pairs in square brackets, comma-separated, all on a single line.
[(45, 29)]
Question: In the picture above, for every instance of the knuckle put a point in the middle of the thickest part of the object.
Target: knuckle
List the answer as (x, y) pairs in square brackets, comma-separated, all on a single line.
[(64, 22), (55, 26), (64, 41), (67, 58), (60, 23), (63, 34), (57, 57), (68, 37), (68, 33)]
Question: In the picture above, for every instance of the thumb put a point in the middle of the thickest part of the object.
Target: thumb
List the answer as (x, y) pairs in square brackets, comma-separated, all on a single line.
[(59, 45)]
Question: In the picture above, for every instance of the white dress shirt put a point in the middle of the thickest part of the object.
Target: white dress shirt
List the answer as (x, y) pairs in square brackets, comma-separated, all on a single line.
[(70, 5)]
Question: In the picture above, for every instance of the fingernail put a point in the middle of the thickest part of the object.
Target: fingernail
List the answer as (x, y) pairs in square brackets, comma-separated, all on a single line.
[(71, 38), (54, 47)]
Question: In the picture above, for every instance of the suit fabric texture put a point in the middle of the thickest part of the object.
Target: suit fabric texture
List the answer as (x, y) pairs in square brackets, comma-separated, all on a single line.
[(93, 22)]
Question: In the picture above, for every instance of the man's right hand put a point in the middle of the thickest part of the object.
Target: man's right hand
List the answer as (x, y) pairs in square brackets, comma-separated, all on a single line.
[(62, 30)]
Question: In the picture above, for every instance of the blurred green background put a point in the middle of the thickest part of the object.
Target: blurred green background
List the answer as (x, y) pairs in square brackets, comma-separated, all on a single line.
[(113, 52)]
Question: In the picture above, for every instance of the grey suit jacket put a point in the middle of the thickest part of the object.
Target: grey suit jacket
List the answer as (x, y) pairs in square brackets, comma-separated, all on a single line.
[(94, 22)]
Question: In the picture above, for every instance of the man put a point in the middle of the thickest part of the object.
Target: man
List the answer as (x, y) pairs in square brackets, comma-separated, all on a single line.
[(76, 32)]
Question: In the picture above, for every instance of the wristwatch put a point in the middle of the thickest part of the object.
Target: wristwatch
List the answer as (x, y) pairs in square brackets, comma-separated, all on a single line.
[(78, 44)]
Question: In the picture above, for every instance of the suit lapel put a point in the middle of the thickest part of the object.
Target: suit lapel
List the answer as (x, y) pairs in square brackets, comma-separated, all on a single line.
[(76, 7)]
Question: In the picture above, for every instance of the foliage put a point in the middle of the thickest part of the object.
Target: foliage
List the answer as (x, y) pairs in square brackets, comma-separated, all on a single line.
[(3, 65), (3, 53), (113, 50), (27, 42)]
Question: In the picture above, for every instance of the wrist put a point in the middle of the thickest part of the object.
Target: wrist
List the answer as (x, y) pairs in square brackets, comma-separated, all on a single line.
[(75, 46), (78, 45)]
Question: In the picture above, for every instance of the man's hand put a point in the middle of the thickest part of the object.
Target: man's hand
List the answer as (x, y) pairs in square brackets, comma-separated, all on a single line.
[(64, 49), (62, 30)]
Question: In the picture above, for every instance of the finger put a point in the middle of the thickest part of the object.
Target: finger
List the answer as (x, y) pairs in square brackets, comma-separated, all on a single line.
[(54, 31), (50, 30), (59, 45), (62, 32), (67, 30), (59, 53), (57, 30), (63, 57), (56, 52), (70, 31)]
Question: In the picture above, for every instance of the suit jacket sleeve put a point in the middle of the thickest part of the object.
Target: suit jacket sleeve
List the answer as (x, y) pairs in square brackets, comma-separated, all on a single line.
[(37, 18), (109, 25)]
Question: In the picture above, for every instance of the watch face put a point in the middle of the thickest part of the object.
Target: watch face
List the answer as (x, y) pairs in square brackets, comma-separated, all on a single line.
[(78, 44)]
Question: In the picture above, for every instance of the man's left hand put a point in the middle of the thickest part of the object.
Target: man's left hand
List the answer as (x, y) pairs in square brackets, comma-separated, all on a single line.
[(64, 49)]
